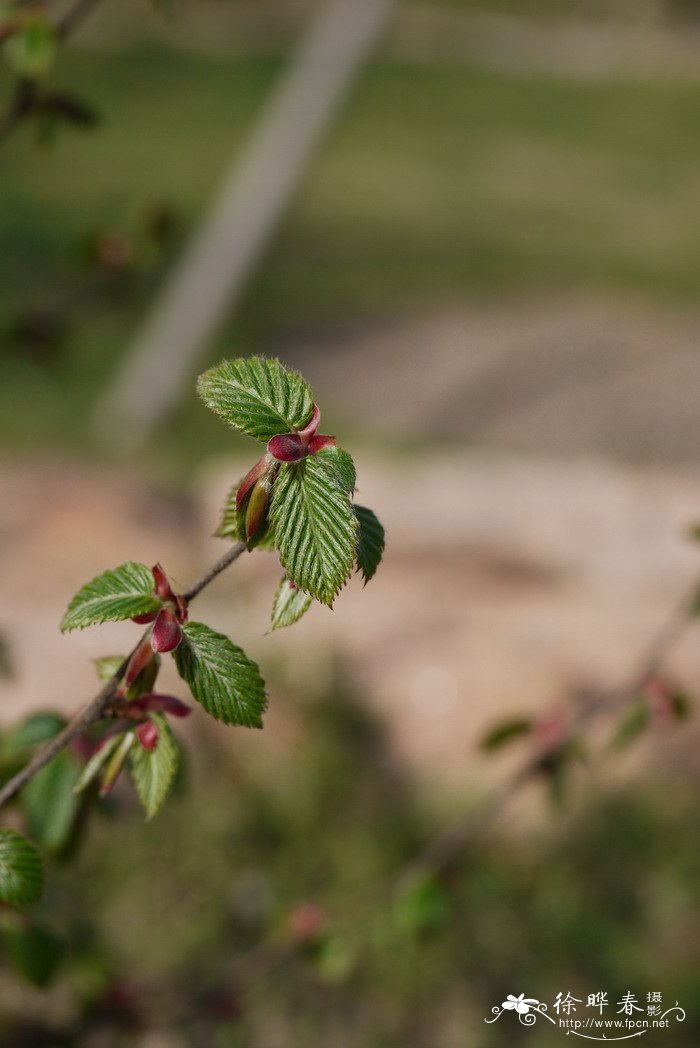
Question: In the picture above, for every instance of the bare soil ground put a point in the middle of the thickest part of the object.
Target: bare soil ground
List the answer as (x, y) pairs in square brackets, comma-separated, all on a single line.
[(525, 565)]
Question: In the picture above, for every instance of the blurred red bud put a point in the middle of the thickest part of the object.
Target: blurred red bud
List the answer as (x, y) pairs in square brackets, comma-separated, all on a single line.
[(551, 730), (155, 703), (306, 921), (166, 633), (147, 734), (138, 661)]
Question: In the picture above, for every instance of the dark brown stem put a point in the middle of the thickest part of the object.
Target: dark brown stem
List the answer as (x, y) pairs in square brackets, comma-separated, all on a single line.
[(97, 706)]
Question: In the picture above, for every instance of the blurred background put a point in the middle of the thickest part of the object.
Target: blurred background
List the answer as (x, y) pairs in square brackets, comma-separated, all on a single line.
[(486, 262)]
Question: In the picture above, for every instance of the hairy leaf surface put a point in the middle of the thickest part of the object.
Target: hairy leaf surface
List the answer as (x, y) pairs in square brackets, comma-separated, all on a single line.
[(221, 676)]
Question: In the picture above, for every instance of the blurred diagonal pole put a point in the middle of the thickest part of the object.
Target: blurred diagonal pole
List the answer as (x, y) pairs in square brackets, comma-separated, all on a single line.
[(220, 259)]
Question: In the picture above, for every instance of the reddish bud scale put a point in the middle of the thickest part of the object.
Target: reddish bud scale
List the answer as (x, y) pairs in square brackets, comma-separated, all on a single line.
[(167, 632), (312, 425), (287, 447), (319, 442), (138, 661), (251, 478), (155, 703), (163, 589), (147, 734), (142, 620)]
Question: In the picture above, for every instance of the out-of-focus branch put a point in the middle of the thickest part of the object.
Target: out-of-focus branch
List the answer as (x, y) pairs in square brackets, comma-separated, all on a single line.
[(97, 706), (24, 97), (444, 849)]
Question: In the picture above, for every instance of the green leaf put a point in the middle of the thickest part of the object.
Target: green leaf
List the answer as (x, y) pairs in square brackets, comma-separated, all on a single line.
[(107, 666), (220, 676), (315, 528), (289, 605), (505, 732), (632, 724), (153, 772), (31, 52), (7, 667), (32, 951), (340, 465), (115, 595), (231, 526), (257, 396), (21, 870), (98, 759), (421, 906), (681, 705), (38, 728), (370, 542), (49, 803)]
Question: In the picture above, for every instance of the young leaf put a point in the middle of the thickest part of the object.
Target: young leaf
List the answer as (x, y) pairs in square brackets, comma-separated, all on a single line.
[(632, 723), (153, 771), (220, 676), (232, 524), (289, 605), (257, 396), (315, 528), (96, 762), (31, 52), (21, 870), (370, 542), (340, 465), (33, 952), (115, 595), (505, 732), (107, 666), (49, 802), (38, 728)]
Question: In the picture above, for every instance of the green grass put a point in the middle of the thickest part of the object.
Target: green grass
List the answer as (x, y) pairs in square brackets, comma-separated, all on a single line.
[(437, 184)]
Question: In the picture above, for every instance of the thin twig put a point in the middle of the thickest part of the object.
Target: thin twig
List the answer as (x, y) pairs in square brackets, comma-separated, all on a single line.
[(221, 565), (74, 17), (97, 706)]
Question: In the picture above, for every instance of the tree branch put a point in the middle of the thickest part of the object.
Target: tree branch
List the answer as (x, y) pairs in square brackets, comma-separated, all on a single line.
[(96, 707), (24, 96)]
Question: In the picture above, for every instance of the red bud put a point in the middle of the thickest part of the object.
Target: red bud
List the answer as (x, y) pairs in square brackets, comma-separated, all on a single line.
[(166, 633), (142, 620), (147, 734), (287, 447)]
